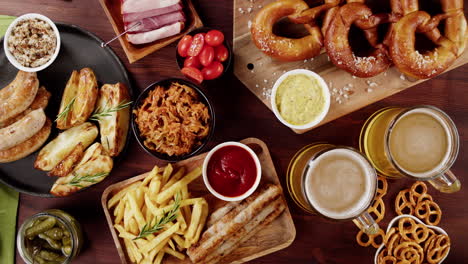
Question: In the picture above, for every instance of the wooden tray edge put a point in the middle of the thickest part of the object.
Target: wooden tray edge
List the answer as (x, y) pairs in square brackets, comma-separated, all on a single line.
[(120, 250)]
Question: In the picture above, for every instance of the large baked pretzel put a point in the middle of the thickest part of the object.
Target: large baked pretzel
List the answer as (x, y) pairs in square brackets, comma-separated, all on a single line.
[(288, 49), (337, 42), (449, 47)]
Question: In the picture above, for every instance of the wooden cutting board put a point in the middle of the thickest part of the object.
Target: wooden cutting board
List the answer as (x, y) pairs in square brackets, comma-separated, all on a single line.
[(348, 94), (276, 236)]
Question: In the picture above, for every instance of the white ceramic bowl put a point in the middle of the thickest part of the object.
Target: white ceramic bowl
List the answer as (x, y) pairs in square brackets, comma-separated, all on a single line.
[(325, 91), (12, 59), (394, 223), (246, 194)]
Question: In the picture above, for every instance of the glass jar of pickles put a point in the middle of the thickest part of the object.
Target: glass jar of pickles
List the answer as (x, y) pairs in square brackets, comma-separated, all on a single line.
[(52, 236)]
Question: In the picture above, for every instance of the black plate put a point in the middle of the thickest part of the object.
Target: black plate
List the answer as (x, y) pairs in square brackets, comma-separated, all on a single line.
[(79, 49), (203, 98)]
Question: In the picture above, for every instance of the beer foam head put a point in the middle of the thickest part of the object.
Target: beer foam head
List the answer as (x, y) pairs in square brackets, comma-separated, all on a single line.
[(420, 143), (340, 184)]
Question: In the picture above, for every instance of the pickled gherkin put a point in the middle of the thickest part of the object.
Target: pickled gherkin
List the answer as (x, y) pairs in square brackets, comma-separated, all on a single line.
[(48, 241), (41, 227)]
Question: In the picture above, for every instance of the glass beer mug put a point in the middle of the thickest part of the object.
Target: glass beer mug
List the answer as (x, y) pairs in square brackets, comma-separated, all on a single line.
[(420, 143), (337, 183)]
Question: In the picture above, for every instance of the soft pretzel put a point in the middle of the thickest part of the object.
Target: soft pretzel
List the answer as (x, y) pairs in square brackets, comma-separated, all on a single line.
[(449, 47), (282, 48), (339, 49)]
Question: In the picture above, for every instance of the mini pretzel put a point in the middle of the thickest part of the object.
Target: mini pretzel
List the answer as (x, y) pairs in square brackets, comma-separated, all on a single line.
[(382, 187), (403, 204), (411, 252), (429, 211), (432, 235), (377, 210), (440, 248), (418, 193), (414, 232), (370, 239)]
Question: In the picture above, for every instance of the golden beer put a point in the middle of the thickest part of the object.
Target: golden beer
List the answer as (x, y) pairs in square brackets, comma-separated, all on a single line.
[(337, 183), (419, 142)]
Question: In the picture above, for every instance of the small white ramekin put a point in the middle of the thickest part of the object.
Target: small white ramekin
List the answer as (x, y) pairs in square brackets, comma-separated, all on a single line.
[(394, 223), (12, 59), (325, 91), (246, 194)]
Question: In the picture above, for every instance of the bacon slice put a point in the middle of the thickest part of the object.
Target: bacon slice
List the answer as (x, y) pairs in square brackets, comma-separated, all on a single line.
[(160, 33), (152, 23), (137, 16), (133, 6)]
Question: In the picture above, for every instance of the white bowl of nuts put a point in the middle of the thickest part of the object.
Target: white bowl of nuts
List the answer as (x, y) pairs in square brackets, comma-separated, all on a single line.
[(32, 42)]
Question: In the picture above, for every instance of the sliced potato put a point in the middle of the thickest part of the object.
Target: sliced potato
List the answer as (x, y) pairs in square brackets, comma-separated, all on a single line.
[(66, 165), (93, 168), (69, 94), (59, 148), (113, 127), (86, 96)]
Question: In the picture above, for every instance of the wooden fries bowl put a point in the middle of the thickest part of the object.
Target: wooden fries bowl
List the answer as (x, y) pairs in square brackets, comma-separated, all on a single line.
[(278, 235)]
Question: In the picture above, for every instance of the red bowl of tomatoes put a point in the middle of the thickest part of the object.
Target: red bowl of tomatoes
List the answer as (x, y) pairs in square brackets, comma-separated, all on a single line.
[(203, 54)]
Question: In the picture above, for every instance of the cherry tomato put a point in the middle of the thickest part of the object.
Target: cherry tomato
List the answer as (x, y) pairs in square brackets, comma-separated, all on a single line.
[(193, 74), (221, 53), (214, 38), (197, 45), (206, 56), (184, 45), (212, 71), (192, 62)]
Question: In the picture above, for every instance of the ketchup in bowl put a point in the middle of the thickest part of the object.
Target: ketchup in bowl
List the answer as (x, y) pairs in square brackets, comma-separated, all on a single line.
[(232, 170)]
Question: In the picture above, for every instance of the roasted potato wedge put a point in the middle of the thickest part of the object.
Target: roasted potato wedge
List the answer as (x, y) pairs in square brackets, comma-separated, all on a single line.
[(69, 94), (93, 168), (78, 100), (59, 148), (114, 126), (66, 165), (85, 97)]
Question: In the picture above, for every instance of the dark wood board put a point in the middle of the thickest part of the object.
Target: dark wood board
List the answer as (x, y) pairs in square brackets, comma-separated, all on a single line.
[(239, 114)]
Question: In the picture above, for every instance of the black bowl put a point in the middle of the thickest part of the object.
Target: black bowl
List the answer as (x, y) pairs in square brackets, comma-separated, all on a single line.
[(203, 99), (226, 64)]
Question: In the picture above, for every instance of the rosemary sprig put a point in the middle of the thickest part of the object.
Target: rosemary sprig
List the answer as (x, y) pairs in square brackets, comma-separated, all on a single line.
[(86, 178), (105, 111), (159, 224), (66, 110)]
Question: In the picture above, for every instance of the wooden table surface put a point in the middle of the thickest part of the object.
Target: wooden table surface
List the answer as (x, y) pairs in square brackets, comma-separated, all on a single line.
[(239, 114)]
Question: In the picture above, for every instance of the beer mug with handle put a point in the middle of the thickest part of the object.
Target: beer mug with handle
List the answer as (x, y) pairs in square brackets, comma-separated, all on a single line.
[(420, 143), (337, 183)]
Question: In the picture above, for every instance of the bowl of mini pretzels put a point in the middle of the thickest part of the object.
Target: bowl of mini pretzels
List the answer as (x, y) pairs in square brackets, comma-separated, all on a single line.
[(409, 240)]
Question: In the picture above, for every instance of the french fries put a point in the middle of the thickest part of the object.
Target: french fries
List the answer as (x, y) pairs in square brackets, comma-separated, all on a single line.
[(156, 216)]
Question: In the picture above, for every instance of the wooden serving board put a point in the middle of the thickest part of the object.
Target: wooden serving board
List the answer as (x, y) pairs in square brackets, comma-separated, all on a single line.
[(348, 94), (276, 236), (112, 8)]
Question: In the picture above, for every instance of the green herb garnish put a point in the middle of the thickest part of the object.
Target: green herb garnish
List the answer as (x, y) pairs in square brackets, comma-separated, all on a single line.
[(105, 111), (87, 178), (66, 110), (159, 224)]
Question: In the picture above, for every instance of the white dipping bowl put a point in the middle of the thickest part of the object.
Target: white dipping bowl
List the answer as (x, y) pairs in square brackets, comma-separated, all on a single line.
[(13, 60), (325, 91), (249, 191), (394, 223)]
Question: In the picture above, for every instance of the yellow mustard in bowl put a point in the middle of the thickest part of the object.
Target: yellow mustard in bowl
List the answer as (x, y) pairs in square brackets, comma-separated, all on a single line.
[(300, 99)]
